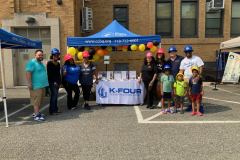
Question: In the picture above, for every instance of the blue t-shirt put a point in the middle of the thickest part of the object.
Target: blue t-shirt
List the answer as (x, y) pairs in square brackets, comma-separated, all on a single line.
[(73, 72), (175, 65), (195, 87), (39, 74), (86, 75)]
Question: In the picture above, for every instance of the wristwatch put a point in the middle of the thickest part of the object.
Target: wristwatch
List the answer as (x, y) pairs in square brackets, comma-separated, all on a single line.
[(199, 76)]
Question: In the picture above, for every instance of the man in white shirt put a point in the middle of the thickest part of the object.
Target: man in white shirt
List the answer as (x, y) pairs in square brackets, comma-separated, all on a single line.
[(185, 68)]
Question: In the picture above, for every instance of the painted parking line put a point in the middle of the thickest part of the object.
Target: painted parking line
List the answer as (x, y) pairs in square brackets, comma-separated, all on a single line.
[(148, 120), (222, 90), (25, 107)]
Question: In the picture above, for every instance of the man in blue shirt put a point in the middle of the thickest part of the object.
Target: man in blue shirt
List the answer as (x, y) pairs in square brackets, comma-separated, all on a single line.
[(37, 81), (174, 62)]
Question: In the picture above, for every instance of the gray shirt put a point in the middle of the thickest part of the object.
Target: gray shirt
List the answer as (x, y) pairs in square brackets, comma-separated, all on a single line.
[(86, 74)]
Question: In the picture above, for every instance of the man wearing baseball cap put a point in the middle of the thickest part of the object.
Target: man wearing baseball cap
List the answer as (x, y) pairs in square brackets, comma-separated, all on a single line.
[(185, 68)]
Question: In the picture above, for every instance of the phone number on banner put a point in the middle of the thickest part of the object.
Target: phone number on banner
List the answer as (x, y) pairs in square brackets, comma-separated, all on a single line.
[(126, 41)]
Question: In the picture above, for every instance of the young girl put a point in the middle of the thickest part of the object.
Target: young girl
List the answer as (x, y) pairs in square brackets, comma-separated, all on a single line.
[(167, 81), (180, 91), (195, 91), (160, 62)]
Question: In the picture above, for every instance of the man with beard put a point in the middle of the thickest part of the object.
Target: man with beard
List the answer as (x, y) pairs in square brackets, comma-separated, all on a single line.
[(185, 67), (37, 81)]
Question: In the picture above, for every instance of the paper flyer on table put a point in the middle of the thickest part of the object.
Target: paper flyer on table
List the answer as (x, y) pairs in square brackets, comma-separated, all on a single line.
[(117, 75), (132, 75), (102, 75), (123, 75), (109, 74)]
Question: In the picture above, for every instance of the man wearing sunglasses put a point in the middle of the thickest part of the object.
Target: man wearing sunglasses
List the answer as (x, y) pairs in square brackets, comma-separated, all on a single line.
[(185, 67)]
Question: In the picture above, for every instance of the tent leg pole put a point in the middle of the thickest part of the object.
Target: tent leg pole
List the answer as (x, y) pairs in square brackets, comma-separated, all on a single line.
[(215, 89), (3, 85)]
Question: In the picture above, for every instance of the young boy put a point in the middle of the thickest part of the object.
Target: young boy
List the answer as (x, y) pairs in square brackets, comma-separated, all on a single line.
[(167, 81), (180, 91), (195, 91)]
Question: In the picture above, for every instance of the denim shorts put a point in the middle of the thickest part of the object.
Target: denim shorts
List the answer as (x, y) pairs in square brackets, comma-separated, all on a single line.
[(167, 95)]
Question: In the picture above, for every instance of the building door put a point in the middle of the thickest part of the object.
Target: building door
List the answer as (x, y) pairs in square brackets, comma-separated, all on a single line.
[(25, 55)]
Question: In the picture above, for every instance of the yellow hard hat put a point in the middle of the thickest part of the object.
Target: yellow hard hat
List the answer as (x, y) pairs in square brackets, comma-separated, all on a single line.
[(194, 67), (179, 74)]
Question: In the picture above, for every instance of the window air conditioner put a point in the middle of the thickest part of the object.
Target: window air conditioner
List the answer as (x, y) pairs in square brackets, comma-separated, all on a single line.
[(87, 16), (215, 5)]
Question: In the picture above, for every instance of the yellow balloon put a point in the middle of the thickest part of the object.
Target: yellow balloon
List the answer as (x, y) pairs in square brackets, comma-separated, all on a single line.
[(79, 55), (133, 47), (72, 51), (153, 49), (109, 48), (142, 47), (95, 56), (87, 48), (124, 49)]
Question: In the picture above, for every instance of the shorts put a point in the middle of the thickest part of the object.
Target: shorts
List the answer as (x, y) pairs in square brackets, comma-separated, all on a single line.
[(180, 98), (37, 96), (167, 95), (195, 97), (159, 75), (187, 84)]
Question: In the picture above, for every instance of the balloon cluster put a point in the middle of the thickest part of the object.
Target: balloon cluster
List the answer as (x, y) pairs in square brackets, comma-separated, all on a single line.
[(98, 51)]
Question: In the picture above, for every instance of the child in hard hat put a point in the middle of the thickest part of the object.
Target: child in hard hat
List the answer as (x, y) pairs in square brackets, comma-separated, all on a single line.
[(195, 91), (180, 91), (167, 81)]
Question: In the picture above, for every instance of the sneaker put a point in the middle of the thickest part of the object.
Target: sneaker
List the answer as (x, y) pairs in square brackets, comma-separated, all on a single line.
[(201, 108), (181, 112), (147, 106), (163, 111), (189, 108), (193, 113), (170, 111), (173, 103), (159, 105), (38, 117), (85, 106), (174, 111), (151, 107), (42, 115), (199, 113), (88, 107), (73, 108)]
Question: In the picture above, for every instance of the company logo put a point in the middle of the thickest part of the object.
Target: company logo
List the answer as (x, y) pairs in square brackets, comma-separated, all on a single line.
[(125, 90), (101, 92), (111, 34), (231, 56)]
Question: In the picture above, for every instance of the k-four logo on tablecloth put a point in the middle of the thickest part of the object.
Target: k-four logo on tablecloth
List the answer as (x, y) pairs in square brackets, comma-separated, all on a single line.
[(102, 93)]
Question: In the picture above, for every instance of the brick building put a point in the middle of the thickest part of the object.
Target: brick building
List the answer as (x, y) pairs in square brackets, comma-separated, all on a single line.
[(179, 22)]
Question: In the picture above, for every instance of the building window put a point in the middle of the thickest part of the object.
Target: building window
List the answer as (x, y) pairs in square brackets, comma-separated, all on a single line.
[(164, 19), (121, 66), (235, 23), (120, 14), (214, 24), (189, 20)]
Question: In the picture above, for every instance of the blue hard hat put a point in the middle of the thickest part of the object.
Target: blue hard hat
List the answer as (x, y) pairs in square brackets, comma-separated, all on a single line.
[(166, 67), (55, 51), (172, 49), (188, 48)]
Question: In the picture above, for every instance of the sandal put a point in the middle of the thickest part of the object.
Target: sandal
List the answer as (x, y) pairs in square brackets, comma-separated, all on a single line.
[(163, 111)]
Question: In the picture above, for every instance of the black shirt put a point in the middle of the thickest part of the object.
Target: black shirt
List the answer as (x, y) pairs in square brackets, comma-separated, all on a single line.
[(160, 66), (53, 71), (148, 72)]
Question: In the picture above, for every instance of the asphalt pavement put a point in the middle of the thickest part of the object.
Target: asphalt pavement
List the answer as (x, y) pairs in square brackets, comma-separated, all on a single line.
[(121, 131)]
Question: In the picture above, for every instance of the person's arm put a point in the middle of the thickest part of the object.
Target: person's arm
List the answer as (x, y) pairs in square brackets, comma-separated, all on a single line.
[(185, 90), (95, 73), (29, 79), (140, 78), (200, 71), (64, 71), (202, 90), (49, 71), (161, 88), (181, 71), (154, 78)]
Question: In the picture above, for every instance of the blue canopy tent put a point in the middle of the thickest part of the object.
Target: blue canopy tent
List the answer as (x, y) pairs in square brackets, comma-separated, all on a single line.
[(113, 34), (10, 40)]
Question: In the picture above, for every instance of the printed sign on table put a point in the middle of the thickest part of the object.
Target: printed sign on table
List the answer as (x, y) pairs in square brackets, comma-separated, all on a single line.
[(231, 73)]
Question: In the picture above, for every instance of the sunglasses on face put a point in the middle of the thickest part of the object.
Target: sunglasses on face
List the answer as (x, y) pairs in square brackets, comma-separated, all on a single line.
[(56, 55), (188, 52)]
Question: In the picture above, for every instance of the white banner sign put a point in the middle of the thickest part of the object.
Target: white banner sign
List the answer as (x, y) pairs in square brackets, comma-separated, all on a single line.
[(231, 73), (120, 92)]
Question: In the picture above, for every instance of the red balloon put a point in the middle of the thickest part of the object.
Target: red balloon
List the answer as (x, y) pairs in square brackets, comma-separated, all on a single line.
[(105, 51), (125, 46), (150, 45)]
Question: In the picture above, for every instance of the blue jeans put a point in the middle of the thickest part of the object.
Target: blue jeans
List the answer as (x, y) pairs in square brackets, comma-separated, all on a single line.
[(54, 96)]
